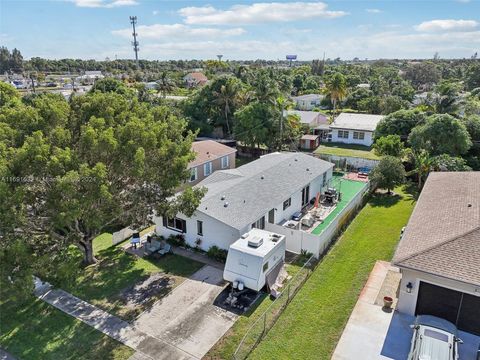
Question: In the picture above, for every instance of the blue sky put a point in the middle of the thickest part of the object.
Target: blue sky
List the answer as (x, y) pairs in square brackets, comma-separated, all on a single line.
[(96, 29)]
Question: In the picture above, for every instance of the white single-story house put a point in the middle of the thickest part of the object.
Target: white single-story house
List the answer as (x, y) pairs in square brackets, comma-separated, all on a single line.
[(308, 101), (255, 259), (352, 128), (269, 189), (439, 251)]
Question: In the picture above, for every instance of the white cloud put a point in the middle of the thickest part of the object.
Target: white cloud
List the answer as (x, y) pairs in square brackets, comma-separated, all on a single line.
[(463, 1), (447, 25), (167, 32), (155, 12), (374, 11), (258, 13), (103, 3)]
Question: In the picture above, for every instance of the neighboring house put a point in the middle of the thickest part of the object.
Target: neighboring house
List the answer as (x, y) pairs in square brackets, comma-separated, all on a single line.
[(309, 142), (439, 252), (307, 102), (90, 77), (312, 119), (210, 156), (363, 86), (152, 85), (195, 79), (354, 128), (269, 189)]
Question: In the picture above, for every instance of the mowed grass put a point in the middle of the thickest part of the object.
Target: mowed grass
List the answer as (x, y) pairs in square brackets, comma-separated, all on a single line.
[(313, 322), (37, 330), (102, 284), (351, 150)]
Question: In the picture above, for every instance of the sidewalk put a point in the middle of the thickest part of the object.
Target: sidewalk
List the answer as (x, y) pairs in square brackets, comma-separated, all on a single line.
[(148, 346)]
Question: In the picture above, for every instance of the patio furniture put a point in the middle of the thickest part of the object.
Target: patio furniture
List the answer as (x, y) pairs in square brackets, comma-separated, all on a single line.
[(152, 245), (165, 250)]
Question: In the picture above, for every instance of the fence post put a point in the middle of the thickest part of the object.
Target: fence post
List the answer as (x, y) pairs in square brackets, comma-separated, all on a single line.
[(288, 294), (264, 323)]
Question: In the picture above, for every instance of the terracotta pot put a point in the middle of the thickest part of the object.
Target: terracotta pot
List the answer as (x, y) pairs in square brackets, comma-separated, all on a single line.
[(387, 302)]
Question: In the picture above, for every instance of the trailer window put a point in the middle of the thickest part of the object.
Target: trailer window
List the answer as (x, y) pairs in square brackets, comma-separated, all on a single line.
[(265, 266)]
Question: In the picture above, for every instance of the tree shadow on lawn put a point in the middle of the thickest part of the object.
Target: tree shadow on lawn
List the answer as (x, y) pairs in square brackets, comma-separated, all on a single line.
[(384, 200)]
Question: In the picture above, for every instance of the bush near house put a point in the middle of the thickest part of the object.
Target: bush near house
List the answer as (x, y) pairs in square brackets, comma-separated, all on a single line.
[(217, 254)]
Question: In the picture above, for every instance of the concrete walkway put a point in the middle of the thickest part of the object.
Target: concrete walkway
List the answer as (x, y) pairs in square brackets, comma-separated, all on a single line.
[(147, 346)]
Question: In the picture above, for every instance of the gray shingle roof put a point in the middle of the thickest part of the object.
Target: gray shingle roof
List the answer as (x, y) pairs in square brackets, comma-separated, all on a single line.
[(356, 121), (443, 234), (253, 189)]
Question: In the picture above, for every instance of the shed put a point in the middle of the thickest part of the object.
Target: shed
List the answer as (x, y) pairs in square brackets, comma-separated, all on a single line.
[(309, 142), (255, 260)]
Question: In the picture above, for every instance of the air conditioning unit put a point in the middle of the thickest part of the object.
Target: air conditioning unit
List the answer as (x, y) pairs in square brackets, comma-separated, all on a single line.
[(255, 242)]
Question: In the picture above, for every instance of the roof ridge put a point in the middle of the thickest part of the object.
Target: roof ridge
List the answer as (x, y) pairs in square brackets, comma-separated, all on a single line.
[(437, 245)]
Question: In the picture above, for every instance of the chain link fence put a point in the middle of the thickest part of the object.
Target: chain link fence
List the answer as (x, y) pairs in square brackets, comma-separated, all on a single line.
[(264, 323)]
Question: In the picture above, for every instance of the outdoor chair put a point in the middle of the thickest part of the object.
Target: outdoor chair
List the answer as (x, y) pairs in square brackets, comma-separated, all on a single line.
[(152, 246)]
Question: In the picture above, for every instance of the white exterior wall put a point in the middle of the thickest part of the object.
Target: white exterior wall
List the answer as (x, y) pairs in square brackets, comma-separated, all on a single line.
[(367, 141), (222, 235), (214, 231), (407, 302)]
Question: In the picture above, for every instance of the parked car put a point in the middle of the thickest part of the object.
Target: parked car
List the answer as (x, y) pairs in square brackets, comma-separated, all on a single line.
[(434, 338), (297, 216)]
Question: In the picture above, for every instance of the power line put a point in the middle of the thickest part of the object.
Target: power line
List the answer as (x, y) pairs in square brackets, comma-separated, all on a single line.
[(136, 49)]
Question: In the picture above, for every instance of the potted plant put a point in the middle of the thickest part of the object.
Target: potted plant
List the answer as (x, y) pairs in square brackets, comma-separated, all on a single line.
[(387, 302)]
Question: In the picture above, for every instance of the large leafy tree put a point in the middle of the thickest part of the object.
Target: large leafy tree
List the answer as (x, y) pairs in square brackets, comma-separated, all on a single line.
[(107, 161), (399, 123), (441, 134), (388, 173), (389, 145)]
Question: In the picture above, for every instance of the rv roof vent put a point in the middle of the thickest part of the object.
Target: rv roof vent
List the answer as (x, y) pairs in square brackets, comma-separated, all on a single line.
[(225, 204), (223, 197), (255, 242), (275, 237)]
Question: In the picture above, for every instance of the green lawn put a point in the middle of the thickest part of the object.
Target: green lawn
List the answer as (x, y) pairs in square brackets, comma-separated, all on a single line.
[(116, 270), (37, 330), (227, 345), (313, 322), (351, 150)]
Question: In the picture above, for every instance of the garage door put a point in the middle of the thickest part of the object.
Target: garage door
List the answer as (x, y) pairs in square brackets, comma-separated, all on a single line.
[(457, 307)]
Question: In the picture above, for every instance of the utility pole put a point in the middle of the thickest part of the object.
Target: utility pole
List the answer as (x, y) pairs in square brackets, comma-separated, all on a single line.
[(133, 21)]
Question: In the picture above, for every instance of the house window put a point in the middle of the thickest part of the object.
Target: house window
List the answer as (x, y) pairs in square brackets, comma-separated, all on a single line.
[(207, 168), (287, 203), (357, 135), (259, 224), (342, 134), (193, 174), (199, 227), (305, 195), (176, 224), (225, 162), (265, 266), (324, 182)]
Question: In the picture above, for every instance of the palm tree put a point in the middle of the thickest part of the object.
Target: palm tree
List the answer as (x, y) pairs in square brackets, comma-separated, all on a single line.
[(165, 85), (226, 99), (337, 88), (423, 164)]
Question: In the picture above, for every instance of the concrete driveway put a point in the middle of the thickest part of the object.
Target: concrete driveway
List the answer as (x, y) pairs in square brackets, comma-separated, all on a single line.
[(380, 335), (187, 318)]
